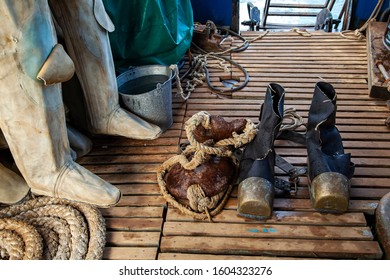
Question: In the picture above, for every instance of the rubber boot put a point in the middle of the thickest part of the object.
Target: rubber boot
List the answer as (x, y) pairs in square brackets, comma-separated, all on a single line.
[(32, 115), (84, 25), (329, 169), (256, 176)]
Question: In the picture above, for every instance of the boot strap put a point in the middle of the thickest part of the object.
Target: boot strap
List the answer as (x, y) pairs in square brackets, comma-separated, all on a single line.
[(294, 173)]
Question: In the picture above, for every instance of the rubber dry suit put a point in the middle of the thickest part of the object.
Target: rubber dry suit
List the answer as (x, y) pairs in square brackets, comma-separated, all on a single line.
[(150, 31), (32, 114)]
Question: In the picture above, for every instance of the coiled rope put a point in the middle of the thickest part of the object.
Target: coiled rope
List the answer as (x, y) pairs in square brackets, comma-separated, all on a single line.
[(200, 73), (65, 229)]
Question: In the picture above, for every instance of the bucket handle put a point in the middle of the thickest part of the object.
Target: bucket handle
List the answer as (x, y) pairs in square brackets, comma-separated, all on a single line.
[(175, 73)]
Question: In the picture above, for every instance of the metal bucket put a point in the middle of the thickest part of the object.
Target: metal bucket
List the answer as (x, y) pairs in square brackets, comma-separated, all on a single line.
[(147, 92)]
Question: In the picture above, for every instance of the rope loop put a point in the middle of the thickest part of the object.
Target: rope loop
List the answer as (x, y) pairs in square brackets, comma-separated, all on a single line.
[(302, 32), (201, 206)]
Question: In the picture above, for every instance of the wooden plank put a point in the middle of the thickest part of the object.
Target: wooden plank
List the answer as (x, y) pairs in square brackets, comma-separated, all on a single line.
[(134, 239), (144, 200), (275, 247), (133, 212), (134, 224), (130, 253), (124, 168), (129, 178), (121, 141), (113, 150), (139, 189), (119, 159), (179, 256), (281, 217), (267, 231), (288, 204)]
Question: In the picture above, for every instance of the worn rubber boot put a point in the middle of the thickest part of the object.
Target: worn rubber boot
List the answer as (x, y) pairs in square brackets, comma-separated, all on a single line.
[(329, 168), (256, 176), (13, 188), (84, 25), (32, 115)]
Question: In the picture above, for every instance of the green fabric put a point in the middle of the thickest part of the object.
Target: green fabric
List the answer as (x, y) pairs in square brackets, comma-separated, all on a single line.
[(149, 31)]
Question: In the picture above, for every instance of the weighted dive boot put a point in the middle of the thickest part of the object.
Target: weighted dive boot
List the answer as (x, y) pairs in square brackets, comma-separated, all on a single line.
[(32, 115), (256, 175), (84, 25), (329, 168)]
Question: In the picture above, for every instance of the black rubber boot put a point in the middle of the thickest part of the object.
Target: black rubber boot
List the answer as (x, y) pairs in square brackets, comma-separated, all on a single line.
[(256, 175), (329, 168)]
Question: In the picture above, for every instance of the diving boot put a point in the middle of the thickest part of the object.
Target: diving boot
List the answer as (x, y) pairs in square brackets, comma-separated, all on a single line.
[(329, 168), (32, 114), (256, 173), (85, 26)]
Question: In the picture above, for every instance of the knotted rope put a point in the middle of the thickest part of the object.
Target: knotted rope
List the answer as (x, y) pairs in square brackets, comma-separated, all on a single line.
[(200, 206), (291, 120), (358, 33), (237, 140), (67, 230), (302, 32)]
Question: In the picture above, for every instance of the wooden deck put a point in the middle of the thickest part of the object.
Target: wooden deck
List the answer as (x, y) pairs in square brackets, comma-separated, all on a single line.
[(143, 226)]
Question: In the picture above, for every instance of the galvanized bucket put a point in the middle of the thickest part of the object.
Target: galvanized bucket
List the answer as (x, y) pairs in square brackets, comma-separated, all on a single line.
[(147, 92)]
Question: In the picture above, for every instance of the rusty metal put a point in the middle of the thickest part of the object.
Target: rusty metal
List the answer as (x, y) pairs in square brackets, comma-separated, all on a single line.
[(206, 37), (385, 74)]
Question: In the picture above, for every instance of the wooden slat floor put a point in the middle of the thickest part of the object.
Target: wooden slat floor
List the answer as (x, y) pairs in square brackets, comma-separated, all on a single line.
[(143, 226)]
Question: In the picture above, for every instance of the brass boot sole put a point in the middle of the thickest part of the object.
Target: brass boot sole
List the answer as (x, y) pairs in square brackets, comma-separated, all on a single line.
[(329, 192), (255, 198)]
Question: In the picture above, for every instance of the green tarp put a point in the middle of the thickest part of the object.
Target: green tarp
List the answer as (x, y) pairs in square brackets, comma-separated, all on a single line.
[(149, 31)]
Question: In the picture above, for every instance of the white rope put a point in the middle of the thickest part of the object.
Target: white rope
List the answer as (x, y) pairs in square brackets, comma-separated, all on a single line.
[(358, 33)]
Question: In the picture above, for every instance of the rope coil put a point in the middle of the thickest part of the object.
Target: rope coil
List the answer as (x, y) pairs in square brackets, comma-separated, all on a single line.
[(67, 230)]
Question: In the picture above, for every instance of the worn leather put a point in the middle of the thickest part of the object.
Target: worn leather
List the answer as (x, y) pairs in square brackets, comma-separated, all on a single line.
[(329, 168), (214, 177), (57, 68), (3, 143), (258, 158), (88, 45), (323, 140), (256, 188), (102, 17), (13, 188), (219, 129), (80, 143), (32, 115)]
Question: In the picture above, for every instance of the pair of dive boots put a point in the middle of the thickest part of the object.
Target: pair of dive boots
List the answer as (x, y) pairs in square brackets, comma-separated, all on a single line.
[(329, 168)]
